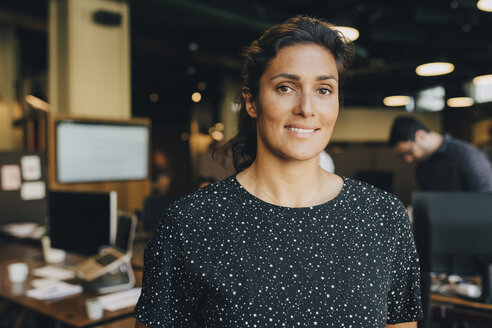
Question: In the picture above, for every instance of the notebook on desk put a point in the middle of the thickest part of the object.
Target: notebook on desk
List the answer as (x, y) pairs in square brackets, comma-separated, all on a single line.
[(110, 258)]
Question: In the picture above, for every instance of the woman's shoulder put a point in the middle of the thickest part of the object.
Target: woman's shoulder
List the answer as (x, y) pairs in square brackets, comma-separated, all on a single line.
[(380, 208), (360, 191), (204, 198)]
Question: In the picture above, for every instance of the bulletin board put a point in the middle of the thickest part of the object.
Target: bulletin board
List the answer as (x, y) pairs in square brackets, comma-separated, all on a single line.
[(22, 187)]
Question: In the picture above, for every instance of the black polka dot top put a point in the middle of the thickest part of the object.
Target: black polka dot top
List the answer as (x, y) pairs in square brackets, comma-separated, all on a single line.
[(223, 258)]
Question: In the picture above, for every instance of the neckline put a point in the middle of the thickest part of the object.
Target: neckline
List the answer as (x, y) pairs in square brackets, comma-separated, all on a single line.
[(261, 201)]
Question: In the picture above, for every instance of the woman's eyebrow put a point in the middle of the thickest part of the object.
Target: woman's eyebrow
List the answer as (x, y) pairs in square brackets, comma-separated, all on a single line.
[(286, 75), (326, 77), (297, 77)]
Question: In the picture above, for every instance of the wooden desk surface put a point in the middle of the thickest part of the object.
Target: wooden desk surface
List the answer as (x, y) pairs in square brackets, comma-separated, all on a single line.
[(460, 302), (70, 310), (448, 309), (123, 323)]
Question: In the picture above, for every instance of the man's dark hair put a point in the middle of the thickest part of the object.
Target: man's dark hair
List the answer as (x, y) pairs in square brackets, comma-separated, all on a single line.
[(404, 128), (257, 56)]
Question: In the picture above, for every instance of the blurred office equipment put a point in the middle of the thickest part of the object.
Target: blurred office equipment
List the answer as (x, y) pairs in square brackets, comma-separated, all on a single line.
[(381, 179), (111, 270), (82, 222), (110, 257), (88, 151), (89, 154), (22, 187), (22, 311), (453, 236)]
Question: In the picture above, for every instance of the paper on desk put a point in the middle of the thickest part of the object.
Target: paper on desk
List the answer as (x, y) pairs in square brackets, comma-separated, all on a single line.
[(58, 290), (120, 300), (42, 282), (53, 273), (20, 230)]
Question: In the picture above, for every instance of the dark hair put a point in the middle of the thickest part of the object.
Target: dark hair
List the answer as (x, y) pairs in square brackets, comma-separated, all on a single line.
[(260, 53), (404, 128)]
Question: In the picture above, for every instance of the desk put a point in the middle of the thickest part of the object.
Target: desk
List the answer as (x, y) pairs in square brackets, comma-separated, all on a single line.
[(446, 308), (68, 311)]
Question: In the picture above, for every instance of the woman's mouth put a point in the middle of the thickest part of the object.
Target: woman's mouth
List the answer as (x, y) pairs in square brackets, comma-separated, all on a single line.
[(301, 132)]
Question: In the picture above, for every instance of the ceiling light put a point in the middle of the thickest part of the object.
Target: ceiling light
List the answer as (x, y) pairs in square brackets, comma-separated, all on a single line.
[(349, 33), (217, 135), (193, 46), (485, 5), (154, 97), (483, 79), (219, 126), (460, 102), (191, 70), (433, 69), (201, 86), (185, 136), (396, 101), (37, 103), (196, 97)]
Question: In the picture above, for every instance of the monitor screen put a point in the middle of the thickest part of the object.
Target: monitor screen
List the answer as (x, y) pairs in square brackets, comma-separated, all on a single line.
[(101, 151), (453, 230), (82, 222), (125, 233)]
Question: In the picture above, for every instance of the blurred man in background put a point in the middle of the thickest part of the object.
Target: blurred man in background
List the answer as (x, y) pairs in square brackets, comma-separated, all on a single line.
[(443, 163)]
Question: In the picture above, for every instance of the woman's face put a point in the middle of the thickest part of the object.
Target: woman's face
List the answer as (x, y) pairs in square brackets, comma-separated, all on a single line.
[(297, 104)]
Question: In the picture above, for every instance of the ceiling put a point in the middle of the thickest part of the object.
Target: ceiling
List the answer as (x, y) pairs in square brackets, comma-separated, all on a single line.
[(178, 43), (395, 37)]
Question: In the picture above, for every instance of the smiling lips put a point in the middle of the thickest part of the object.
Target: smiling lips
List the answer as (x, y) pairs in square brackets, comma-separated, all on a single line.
[(304, 132)]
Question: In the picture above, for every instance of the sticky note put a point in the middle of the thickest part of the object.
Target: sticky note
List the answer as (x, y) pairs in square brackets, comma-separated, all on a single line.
[(33, 190), (31, 167), (11, 177)]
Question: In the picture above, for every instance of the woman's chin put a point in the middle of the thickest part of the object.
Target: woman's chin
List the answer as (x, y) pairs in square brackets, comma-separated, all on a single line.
[(301, 156)]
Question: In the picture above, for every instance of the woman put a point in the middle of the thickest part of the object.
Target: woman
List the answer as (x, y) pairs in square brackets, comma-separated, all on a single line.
[(284, 243)]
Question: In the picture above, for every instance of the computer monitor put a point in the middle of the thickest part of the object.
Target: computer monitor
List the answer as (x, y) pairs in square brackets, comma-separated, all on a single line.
[(94, 151), (453, 234), (125, 233), (82, 222)]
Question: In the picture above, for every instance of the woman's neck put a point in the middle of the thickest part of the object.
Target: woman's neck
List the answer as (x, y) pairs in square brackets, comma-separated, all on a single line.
[(285, 183)]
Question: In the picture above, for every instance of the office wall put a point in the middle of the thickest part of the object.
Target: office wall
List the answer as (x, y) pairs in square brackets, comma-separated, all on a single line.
[(373, 125), (482, 132), (8, 75), (89, 62)]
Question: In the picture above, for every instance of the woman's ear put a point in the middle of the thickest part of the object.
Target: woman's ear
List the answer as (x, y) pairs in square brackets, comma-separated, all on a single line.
[(249, 103)]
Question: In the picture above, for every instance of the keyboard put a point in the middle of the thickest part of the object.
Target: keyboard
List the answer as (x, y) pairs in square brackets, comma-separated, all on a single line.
[(106, 259)]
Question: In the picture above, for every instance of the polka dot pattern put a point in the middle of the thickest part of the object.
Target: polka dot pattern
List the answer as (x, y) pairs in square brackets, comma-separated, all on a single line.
[(224, 258)]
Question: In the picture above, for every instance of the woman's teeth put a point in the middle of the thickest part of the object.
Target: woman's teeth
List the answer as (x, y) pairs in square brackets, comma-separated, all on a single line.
[(300, 130)]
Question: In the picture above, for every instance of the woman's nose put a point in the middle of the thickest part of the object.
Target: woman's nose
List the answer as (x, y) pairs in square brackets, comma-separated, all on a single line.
[(304, 106)]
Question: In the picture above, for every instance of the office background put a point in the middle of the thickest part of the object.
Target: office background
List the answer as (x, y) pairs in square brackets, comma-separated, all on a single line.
[(173, 66), (177, 64)]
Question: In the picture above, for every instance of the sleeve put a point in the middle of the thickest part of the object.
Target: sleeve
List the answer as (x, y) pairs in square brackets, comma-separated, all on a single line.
[(169, 295), (403, 299), (476, 171)]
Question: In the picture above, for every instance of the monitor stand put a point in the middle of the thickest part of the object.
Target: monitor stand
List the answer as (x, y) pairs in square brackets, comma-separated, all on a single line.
[(121, 278)]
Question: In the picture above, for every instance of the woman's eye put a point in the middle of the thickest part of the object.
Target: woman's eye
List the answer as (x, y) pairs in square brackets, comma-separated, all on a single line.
[(284, 88), (324, 91)]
